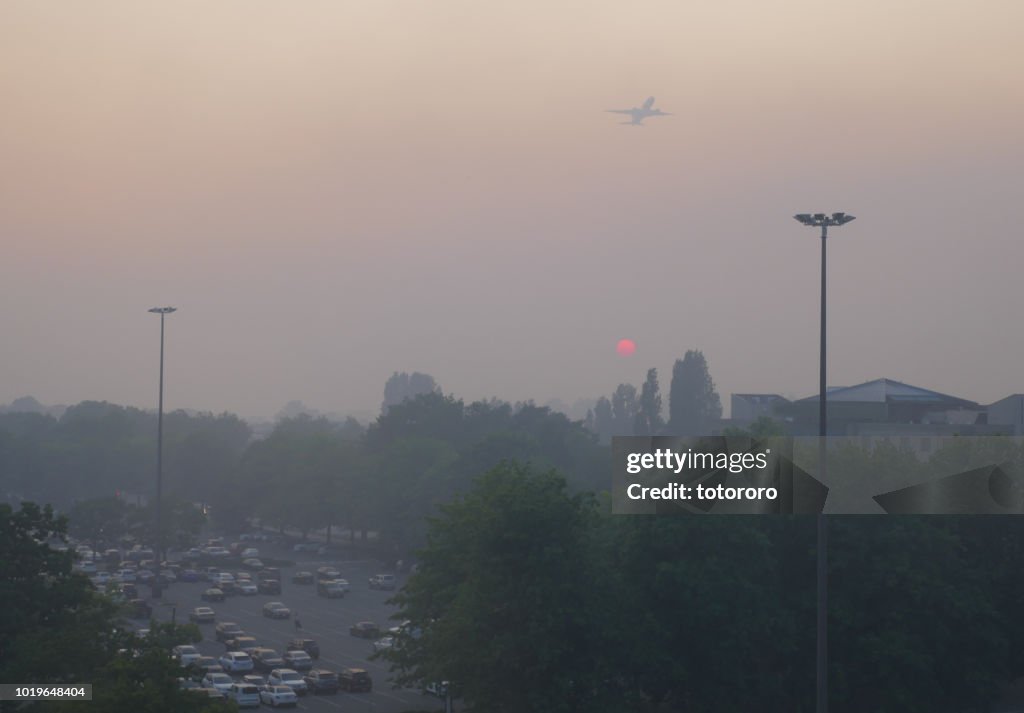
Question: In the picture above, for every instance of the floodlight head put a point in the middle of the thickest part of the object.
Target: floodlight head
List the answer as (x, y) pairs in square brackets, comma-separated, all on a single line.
[(841, 218), (804, 218), (819, 216), (163, 310)]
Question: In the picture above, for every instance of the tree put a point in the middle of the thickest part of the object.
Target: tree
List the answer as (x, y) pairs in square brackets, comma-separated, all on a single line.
[(693, 403), (499, 603), (648, 420), (624, 409), (403, 386), (604, 424)]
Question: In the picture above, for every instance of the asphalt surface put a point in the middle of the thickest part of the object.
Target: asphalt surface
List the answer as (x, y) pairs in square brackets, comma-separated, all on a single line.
[(325, 620)]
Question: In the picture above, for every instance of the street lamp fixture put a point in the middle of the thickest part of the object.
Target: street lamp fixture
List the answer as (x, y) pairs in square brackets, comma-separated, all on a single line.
[(823, 221), (160, 554)]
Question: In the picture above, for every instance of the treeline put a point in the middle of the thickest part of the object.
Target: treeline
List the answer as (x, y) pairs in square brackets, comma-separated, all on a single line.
[(530, 597), (694, 405), (309, 473)]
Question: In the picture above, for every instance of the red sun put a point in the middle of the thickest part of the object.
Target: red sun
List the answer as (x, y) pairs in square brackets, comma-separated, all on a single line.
[(625, 347)]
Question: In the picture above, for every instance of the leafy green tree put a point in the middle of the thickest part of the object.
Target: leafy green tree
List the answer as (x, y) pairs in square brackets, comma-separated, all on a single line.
[(693, 402), (99, 520), (500, 603)]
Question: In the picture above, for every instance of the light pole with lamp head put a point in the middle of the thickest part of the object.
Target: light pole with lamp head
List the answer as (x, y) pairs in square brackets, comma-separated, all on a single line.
[(823, 221), (157, 588)]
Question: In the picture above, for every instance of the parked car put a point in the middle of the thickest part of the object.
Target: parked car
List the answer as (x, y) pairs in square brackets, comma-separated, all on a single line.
[(288, 677), (139, 609), (250, 552), (322, 681), (327, 573), (208, 664), (308, 645), (221, 681), (213, 594), (365, 630), (276, 610), (245, 695), (236, 662), (383, 581), (254, 679), (189, 575), (266, 659), (247, 589), (227, 630), (252, 563), (330, 589), (306, 547), (186, 654), (201, 615), (269, 586), (355, 680), (278, 696), (298, 660), (302, 578), (388, 642), (241, 643)]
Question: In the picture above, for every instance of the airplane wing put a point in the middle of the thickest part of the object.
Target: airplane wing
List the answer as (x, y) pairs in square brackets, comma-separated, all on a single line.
[(619, 111)]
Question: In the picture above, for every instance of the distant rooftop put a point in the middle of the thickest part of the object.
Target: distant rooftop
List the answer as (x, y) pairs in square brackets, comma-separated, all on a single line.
[(887, 390)]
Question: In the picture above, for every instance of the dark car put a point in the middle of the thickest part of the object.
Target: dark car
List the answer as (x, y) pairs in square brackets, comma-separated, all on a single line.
[(269, 586), (266, 659), (355, 680), (302, 578), (308, 645), (139, 609), (321, 681), (365, 630), (269, 573), (228, 630), (213, 594)]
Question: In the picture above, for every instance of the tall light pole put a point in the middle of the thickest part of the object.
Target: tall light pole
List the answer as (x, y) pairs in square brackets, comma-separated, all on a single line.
[(157, 588), (821, 703)]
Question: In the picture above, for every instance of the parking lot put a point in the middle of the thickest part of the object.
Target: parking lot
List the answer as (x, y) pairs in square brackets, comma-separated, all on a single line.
[(325, 620)]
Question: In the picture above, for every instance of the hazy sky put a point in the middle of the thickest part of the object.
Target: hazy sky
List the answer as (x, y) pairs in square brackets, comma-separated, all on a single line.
[(333, 190)]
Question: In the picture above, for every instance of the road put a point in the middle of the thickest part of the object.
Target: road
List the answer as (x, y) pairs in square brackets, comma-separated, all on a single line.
[(325, 620)]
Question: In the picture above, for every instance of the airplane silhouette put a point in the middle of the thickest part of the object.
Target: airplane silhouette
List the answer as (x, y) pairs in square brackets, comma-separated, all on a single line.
[(638, 114)]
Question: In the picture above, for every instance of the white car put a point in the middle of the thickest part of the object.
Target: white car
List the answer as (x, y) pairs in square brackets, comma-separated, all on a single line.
[(221, 681), (245, 695), (236, 662), (345, 586), (127, 575), (250, 552), (277, 696), (388, 642), (247, 588), (186, 654), (288, 677), (100, 579)]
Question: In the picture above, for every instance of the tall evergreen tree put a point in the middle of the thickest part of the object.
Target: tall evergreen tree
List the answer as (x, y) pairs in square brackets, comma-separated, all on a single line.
[(693, 402), (624, 410), (603, 422), (648, 421)]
